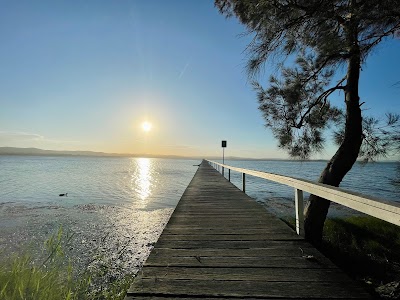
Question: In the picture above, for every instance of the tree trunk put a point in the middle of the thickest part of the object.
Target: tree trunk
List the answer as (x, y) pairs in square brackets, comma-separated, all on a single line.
[(344, 158)]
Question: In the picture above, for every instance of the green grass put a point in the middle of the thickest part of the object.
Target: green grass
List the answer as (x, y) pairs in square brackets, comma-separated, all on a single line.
[(21, 279), (366, 248), (53, 277)]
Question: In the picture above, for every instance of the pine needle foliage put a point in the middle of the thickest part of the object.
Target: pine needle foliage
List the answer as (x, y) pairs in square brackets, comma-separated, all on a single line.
[(322, 36), (296, 108), (381, 137)]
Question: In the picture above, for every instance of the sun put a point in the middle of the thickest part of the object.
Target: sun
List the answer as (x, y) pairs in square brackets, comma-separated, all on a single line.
[(146, 126)]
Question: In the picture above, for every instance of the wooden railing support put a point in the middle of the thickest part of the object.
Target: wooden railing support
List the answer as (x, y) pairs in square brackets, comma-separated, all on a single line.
[(299, 204), (229, 174), (244, 182)]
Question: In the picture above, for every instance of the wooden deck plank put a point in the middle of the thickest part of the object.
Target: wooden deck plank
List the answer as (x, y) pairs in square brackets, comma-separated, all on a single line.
[(257, 289), (228, 237), (229, 244), (227, 231), (248, 274), (220, 243), (244, 262), (137, 297), (256, 252)]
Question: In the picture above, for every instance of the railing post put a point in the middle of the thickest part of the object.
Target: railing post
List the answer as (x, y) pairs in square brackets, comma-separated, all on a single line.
[(229, 174), (223, 171), (298, 199), (244, 182)]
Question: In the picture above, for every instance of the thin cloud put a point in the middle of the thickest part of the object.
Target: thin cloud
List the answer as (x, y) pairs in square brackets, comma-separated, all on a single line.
[(183, 71), (20, 136)]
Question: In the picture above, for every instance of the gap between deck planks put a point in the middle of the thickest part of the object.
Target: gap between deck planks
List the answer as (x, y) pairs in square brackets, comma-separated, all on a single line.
[(220, 243)]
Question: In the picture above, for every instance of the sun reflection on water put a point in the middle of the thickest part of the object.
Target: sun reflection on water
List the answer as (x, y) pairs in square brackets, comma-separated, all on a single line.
[(142, 178)]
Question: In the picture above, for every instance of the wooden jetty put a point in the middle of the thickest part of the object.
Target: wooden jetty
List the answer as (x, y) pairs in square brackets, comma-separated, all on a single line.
[(220, 243)]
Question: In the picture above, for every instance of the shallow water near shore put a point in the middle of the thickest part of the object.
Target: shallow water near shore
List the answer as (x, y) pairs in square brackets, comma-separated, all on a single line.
[(123, 204), (113, 206)]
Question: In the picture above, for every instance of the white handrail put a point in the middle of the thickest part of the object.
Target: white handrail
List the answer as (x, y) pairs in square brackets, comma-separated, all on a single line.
[(381, 209)]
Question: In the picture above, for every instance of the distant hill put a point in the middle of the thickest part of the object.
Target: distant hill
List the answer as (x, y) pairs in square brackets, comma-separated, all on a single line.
[(41, 152), (36, 151)]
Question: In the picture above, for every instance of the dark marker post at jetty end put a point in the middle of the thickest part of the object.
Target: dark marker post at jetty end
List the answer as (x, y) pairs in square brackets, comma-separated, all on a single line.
[(223, 155)]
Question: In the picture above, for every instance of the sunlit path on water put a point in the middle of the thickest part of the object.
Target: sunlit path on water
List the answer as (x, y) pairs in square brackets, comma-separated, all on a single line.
[(142, 178)]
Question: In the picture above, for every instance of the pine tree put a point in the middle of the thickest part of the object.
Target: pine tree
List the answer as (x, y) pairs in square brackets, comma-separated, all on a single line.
[(323, 36)]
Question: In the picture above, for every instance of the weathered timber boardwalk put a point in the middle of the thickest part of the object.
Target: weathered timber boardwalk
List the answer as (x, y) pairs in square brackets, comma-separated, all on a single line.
[(219, 243)]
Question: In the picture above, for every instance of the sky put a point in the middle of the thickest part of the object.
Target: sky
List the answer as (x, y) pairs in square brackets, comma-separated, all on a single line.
[(85, 75)]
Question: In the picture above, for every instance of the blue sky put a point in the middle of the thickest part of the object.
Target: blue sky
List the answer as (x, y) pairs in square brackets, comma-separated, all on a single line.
[(84, 75)]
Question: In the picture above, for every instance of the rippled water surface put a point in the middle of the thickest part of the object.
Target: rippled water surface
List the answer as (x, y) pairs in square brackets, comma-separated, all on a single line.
[(137, 183)]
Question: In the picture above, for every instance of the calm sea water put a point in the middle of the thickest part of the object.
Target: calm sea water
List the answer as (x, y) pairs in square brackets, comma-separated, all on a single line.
[(124, 203)]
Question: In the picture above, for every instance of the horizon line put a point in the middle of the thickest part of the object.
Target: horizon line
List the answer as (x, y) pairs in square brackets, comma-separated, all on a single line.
[(32, 151), (7, 150)]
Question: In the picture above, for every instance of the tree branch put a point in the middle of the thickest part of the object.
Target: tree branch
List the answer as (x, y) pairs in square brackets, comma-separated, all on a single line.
[(321, 97), (380, 37)]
